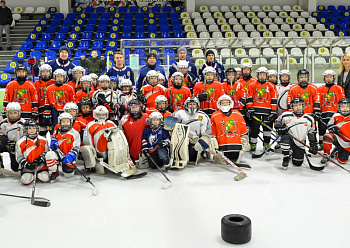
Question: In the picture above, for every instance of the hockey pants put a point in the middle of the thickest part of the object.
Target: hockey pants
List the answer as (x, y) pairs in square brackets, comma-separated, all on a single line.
[(288, 144), (342, 154)]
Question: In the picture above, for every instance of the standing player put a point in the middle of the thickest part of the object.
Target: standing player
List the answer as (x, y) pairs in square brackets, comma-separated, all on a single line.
[(86, 90), (262, 103), (247, 78), (78, 73), (161, 107), (282, 92), (177, 94), (234, 89), (151, 90), (127, 93), (239, 73), (273, 77), (94, 78)]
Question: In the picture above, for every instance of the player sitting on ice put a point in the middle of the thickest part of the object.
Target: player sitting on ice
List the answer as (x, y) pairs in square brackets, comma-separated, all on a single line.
[(294, 126), (195, 128), (30, 154), (126, 94), (150, 91), (156, 143), (86, 91), (177, 93), (11, 130), (229, 130), (85, 110), (65, 145), (339, 133), (161, 107)]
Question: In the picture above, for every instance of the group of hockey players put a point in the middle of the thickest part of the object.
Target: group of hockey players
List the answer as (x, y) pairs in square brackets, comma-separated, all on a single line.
[(107, 124)]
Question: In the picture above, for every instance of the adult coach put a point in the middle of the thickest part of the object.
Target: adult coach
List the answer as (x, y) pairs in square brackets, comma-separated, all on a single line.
[(5, 22), (120, 70), (211, 61), (344, 74), (151, 65), (182, 53)]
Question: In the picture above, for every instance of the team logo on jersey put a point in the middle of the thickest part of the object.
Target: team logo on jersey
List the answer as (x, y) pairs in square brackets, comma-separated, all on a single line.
[(21, 92), (229, 125), (232, 92), (328, 96), (261, 92), (305, 96), (178, 97), (200, 118), (186, 82), (69, 140), (246, 87)]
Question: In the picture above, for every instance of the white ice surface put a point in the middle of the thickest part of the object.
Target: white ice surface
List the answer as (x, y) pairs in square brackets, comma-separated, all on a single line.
[(295, 208)]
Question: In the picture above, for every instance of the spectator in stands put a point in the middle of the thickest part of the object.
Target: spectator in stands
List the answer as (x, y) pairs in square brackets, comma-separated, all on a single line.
[(94, 64), (5, 22), (344, 74), (61, 63), (151, 65), (120, 70), (182, 53), (211, 61)]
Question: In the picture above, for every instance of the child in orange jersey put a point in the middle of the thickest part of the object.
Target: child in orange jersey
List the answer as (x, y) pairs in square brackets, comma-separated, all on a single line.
[(86, 90), (234, 89), (78, 72), (177, 93), (151, 90)]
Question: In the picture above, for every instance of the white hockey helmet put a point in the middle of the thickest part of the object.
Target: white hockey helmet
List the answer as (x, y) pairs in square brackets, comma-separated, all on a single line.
[(155, 115), (225, 108), (327, 73), (45, 67), (272, 72), (177, 74), (246, 65), (209, 69), (86, 78), (78, 68), (161, 77), (71, 106), (125, 82), (93, 75), (103, 78), (191, 111), (161, 98), (182, 64), (64, 115), (100, 110), (285, 72), (151, 73), (16, 107), (262, 70), (238, 69), (60, 72)]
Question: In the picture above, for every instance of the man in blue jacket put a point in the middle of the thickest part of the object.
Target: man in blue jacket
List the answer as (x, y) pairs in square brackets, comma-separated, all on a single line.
[(182, 53), (211, 61)]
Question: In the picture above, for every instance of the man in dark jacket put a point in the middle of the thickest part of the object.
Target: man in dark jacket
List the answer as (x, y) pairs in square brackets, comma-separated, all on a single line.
[(94, 64), (5, 22), (211, 61)]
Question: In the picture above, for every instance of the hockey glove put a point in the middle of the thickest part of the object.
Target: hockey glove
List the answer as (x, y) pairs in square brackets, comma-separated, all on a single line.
[(35, 116), (202, 96), (101, 99), (272, 116), (313, 147), (40, 160), (69, 158), (163, 144), (317, 114), (334, 130), (141, 97), (145, 151), (27, 165), (201, 145), (54, 144), (170, 109), (281, 129), (3, 143), (121, 110), (250, 113)]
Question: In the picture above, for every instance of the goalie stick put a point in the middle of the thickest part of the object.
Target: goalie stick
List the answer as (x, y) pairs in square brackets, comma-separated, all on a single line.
[(123, 174)]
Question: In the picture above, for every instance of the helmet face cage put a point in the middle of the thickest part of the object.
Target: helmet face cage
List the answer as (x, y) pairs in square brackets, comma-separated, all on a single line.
[(303, 73), (159, 99), (125, 83), (344, 106), (45, 67), (62, 73), (78, 68), (329, 73), (160, 77), (31, 123), (63, 116), (135, 103), (175, 75), (231, 72), (297, 101), (13, 106), (284, 72), (261, 70), (191, 111), (225, 108), (151, 74), (85, 102), (100, 110), (155, 115)]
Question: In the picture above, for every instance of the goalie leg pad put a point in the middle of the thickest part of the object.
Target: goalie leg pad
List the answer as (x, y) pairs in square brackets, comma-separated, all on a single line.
[(89, 155), (219, 159), (179, 154), (118, 150), (143, 161), (213, 146), (99, 168)]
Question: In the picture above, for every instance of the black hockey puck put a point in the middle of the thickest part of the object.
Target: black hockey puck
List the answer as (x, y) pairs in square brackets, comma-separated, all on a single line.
[(236, 229)]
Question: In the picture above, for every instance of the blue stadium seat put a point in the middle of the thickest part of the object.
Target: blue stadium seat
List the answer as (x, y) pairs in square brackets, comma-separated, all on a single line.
[(341, 8), (50, 55), (92, 22), (43, 22), (55, 45), (86, 36), (83, 45), (79, 22), (114, 28), (59, 16), (100, 36), (126, 53), (158, 62), (346, 14), (70, 44), (165, 35), (60, 37), (144, 9), (155, 9), (32, 37), (155, 51), (342, 33), (78, 10), (343, 26), (51, 29), (177, 28), (139, 35), (166, 9), (67, 22), (345, 20), (36, 54), (164, 28), (100, 10), (162, 16), (76, 62), (152, 22), (64, 29), (93, 16), (139, 22), (174, 16), (139, 43), (168, 43), (103, 22), (127, 22), (10, 66), (178, 34), (73, 37), (47, 16), (171, 61), (331, 8), (140, 28), (55, 22), (152, 29), (105, 16), (20, 55), (152, 35), (52, 10), (102, 29), (113, 36), (334, 20), (126, 36), (98, 54), (336, 14), (127, 29), (140, 16), (133, 9), (4, 79), (82, 16), (89, 9), (162, 22), (89, 29), (321, 8), (70, 16), (142, 62), (141, 53), (79, 53), (109, 53), (41, 45), (127, 62), (175, 22), (111, 45), (123, 9), (169, 52), (112, 9), (325, 14), (26, 46), (46, 37), (97, 45)]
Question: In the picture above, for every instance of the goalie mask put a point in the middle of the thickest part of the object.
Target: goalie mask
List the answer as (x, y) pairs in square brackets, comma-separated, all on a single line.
[(161, 103), (85, 82), (31, 129), (344, 106), (155, 120), (297, 105), (225, 103), (60, 76), (45, 72), (303, 78), (71, 108), (262, 73), (192, 105), (135, 108), (273, 77), (329, 77), (246, 70), (209, 74), (13, 111), (178, 79), (152, 77), (65, 122), (100, 114), (285, 77), (85, 107), (104, 82), (126, 86)]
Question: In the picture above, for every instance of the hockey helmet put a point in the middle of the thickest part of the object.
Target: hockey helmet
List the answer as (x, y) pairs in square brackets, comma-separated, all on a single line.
[(125, 83), (161, 98), (31, 123), (177, 85), (151, 74), (231, 71), (78, 68), (85, 102), (135, 113), (71, 106), (182, 64), (285, 72), (297, 105), (45, 67), (86, 78), (62, 73), (209, 69), (238, 69), (262, 70), (189, 110), (344, 106), (329, 73), (303, 72), (155, 115), (103, 78), (14, 106), (225, 108), (100, 114), (21, 67), (161, 77), (93, 75), (63, 116)]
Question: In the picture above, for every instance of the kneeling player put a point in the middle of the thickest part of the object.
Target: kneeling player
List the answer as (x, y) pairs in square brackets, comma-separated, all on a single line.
[(296, 125), (65, 145), (30, 154), (339, 134)]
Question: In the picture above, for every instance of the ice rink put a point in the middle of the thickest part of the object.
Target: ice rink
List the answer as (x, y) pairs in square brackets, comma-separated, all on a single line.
[(295, 208)]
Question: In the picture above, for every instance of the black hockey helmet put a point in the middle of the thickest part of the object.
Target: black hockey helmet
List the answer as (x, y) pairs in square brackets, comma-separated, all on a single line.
[(133, 103), (85, 102), (344, 102), (303, 72), (21, 67), (230, 70), (296, 101), (31, 123)]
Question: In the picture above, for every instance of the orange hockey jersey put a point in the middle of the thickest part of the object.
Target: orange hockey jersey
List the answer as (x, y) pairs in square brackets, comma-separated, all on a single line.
[(236, 92), (57, 97), (151, 93), (24, 94), (329, 98), (178, 97), (310, 95), (68, 141), (214, 90), (80, 95), (75, 87), (246, 85), (164, 114), (228, 130), (262, 97), (41, 86)]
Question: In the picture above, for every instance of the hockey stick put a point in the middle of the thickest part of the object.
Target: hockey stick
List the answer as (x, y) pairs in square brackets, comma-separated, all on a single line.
[(133, 176), (241, 174), (41, 202), (27, 197), (87, 179), (166, 185), (260, 155), (312, 167)]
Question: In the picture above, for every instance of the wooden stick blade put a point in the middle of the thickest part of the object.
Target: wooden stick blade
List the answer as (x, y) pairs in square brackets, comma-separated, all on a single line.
[(240, 176)]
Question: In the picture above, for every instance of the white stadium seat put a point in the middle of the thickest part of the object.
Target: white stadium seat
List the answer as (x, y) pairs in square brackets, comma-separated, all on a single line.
[(207, 15), (245, 8), (185, 15), (29, 10), (217, 14), (232, 21), (225, 9), (231, 62), (40, 10), (228, 15), (254, 52), (199, 62), (267, 20), (214, 9), (204, 34), (226, 52), (240, 52), (276, 8), (196, 15), (235, 8), (198, 21), (323, 51), (197, 53)]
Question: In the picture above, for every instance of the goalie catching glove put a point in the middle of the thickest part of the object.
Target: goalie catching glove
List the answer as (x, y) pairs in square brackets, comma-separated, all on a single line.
[(203, 143)]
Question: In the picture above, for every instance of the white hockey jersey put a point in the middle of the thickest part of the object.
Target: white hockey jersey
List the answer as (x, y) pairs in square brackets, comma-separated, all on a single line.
[(282, 98), (13, 131)]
